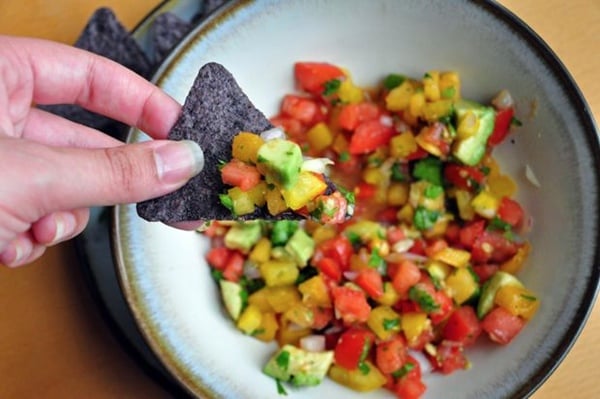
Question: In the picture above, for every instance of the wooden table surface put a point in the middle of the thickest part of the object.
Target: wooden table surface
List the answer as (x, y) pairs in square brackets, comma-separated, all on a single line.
[(53, 341)]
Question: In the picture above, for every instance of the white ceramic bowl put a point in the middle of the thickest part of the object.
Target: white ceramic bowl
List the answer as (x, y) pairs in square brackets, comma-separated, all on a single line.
[(162, 271)]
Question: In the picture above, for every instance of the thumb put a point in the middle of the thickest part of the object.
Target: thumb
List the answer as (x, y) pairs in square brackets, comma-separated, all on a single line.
[(124, 174)]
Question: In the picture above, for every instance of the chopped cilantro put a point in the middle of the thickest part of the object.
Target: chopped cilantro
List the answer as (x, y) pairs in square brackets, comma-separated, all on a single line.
[(498, 224), (433, 191), (256, 332), (529, 297), (393, 80), (391, 324), (427, 76), (365, 350), (485, 170), (364, 368), (226, 201), (354, 238), (377, 262), (331, 87), (402, 371), (515, 122), (261, 159), (221, 164), (244, 297), (424, 219), (374, 161), (283, 360), (280, 389), (252, 284), (217, 275), (397, 173), (305, 274), (429, 169), (344, 156), (282, 231), (448, 92), (423, 299), (348, 195)]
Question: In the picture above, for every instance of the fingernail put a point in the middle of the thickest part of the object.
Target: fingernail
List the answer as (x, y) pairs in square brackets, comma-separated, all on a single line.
[(65, 226), (178, 161), (17, 252)]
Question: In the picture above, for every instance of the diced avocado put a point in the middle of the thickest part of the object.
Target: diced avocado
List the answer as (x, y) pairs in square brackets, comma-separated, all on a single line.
[(280, 161), (298, 366), (301, 247), (471, 149), (491, 287), (243, 235), (282, 231), (233, 295)]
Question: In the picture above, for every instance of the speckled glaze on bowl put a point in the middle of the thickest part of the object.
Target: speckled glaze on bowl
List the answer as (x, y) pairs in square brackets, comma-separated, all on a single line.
[(162, 271)]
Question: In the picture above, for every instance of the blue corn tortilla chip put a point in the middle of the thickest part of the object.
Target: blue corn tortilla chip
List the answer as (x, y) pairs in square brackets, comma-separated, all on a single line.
[(167, 30), (215, 110), (106, 36)]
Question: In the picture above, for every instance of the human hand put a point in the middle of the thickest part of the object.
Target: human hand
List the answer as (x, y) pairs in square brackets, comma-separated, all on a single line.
[(52, 169)]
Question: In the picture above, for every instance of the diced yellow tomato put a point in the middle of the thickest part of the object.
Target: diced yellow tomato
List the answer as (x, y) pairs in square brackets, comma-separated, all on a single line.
[(340, 144), (275, 202), (245, 146), (261, 252), (257, 194), (463, 203), (260, 299), (358, 379), (402, 145), (319, 137), (406, 214), (290, 333), (519, 301), (453, 256), (397, 194), (461, 285), (242, 202), (384, 322), (514, 264), (349, 93), (374, 176), (433, 111), (322, 233), (250, 319), (390, 295), (414, 324), (268, 327), (314, 292), (282, 298), (399, 97), (300, 314), (366, 230), (416, 103), (485, 204), (279, 272), (502, 185), (467, 125), (450, 85), (307, 188), (431, 86)]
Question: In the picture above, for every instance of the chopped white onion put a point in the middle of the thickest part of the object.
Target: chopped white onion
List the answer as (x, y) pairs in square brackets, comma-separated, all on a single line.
[(272, 134), (414, 257), (316, 165), (313, 343), (403, 245), (251, 271), (531, 176), (503, 100), (350, 275), (386, 120)]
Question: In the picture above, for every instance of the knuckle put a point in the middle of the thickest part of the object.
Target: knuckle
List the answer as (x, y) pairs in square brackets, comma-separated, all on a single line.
[(127, 173)]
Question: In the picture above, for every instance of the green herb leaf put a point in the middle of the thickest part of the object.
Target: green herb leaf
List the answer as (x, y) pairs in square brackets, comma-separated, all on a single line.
[(393, 80), (429, 169), (397, 173), (377, 262), (354, 238), (424, 219), (529, 297), (448, 92), (226, 201), (331, 87), (282, 231), (217, 275), (344, 156), (515, 122), (306, 273), (391, 324), (280, 389), (498, 224), (402, 371), (283, 360), (256, 332), (433, 191), (427, 76), (423, 299), (364, 368), (221, 163)]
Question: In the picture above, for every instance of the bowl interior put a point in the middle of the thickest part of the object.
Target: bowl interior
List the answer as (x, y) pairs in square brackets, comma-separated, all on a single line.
[(162, 271)]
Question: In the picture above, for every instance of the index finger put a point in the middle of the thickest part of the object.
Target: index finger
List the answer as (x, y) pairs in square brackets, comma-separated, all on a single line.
[(62, 74)]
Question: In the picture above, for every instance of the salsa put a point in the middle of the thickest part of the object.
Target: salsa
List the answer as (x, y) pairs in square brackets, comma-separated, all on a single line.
[(427, 266)]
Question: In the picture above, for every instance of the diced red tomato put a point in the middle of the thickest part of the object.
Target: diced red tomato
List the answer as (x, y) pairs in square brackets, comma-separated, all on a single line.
[(292, 127), (449, 357), (312, 76), (410, 388), (433, 140), (469, 233), (395, 234), (485, 271), (338, 248), (445, 307), (419, 153), (351, 304), (239, 174), (235, 267), (368, 136), (391, 355), (435, 246), (349, 165), (388, 215), (452, 233), (510, 211), (425, 338), (217, 257), (365, 191), (321, 317), (407, 275), (353, 347), (354, 114), (299, 108), (502, 326), (464, 177), (501, 126), (492, 246), (462, 326), (418, 247), (329, 267), (371, 282)]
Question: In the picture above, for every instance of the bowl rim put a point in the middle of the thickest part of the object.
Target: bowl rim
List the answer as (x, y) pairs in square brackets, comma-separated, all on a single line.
[(536, 44)]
